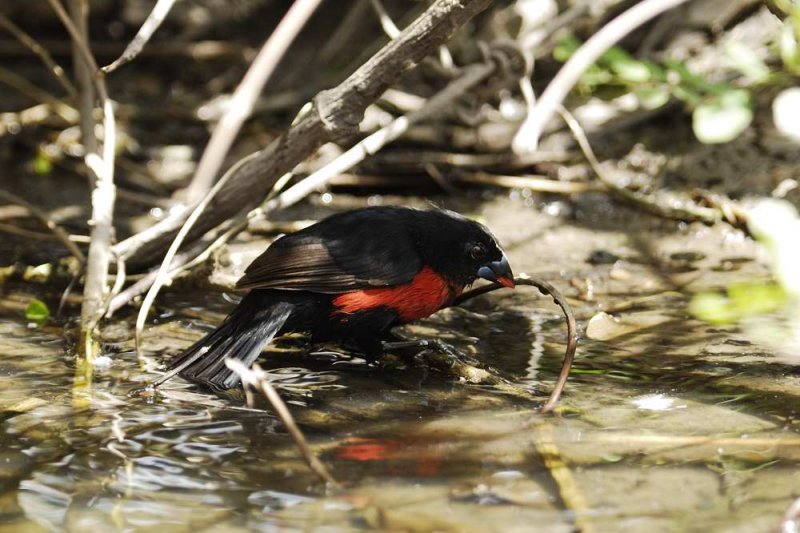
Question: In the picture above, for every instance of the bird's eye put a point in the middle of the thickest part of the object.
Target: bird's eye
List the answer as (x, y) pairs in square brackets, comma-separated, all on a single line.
[(477, 252)]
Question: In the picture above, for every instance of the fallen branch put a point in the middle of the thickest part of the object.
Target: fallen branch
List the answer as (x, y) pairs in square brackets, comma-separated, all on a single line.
[(335, 113), (257, 379), (471, 76), (245, 96)]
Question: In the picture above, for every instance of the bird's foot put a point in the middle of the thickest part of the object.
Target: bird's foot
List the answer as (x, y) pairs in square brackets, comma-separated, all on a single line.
[(427, 344)]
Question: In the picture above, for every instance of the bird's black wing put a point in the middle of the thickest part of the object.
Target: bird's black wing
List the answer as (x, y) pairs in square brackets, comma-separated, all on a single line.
[(361, 249)]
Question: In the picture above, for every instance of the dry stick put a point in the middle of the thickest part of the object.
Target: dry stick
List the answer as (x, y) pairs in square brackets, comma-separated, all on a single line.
[(15, 81), (336, 112), (471, 76), (527, 137), (257, 379), (151, 24), (79, 11), (40, 51), (12, 121), (534, 183), (684, 212), (104, 193), (62, 235), (245, 96), (572, 335)]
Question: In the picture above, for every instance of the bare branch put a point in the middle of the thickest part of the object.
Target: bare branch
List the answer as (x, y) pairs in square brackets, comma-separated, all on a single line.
[(40, 51), (62, 235), (374, 142), (336, 112), (527, 137), (154, 20), (257, 379), (102, 167), (241, 105)]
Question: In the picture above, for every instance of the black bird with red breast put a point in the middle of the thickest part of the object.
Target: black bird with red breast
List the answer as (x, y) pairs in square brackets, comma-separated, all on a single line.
[(349, 279)]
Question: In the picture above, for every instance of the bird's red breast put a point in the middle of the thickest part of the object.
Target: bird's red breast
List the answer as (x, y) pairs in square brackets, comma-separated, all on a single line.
[(424, 295)]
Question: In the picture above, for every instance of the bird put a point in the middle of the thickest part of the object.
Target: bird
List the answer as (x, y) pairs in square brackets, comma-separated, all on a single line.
[(348, 279)]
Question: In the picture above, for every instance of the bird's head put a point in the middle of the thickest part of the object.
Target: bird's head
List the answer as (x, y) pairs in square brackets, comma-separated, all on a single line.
[(463, 250)]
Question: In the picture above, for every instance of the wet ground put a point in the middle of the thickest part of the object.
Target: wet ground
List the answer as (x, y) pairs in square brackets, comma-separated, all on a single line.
[(668, 423)]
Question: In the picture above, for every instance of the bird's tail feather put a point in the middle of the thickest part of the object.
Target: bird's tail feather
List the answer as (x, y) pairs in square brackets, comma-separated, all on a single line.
[(241, 336)]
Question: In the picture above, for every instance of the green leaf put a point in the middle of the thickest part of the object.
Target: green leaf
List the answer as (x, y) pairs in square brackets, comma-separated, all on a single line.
[(722, 118), (687, 77), (37, 311), (742, 300), (565, 48), (625, 66), (746, 61), (653, 97), (42, 165), (790, 50)]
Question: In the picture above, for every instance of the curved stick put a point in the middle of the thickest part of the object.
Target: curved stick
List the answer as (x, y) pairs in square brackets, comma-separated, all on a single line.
[(572, 337)]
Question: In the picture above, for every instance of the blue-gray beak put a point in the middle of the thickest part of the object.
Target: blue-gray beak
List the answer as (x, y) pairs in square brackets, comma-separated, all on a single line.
[(499, 271)]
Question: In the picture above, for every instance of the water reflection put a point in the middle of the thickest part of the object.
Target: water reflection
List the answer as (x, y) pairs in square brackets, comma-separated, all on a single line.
[(414, 450)]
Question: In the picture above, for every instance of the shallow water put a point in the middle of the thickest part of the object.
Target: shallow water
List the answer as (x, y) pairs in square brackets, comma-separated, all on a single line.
[(671, 425)]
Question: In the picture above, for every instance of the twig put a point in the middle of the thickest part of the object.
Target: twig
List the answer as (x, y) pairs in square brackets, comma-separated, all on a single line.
[(14, 80), (197, 50), (336, 112), (572, 335), (54, 228), (257, 379), (151, 24), (387, 24), (163, 272), (84, 70), (40, 51), (36, 114), (102, 167), (534, 183), (241, 104), (683, 212), (39, 236), (471, 76), (527, 137)]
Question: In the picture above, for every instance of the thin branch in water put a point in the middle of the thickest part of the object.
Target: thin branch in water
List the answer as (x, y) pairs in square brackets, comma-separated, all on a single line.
[(527, 137), (572, 334), (149, 27), (102, 168), (54, 228), (257, 379), (40, 51), (248, 91)]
